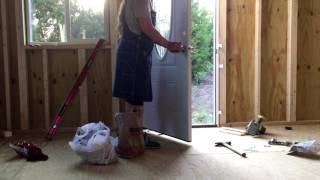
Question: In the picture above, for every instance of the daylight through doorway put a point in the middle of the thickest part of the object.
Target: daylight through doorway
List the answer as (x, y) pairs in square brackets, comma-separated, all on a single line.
[(203, 66)]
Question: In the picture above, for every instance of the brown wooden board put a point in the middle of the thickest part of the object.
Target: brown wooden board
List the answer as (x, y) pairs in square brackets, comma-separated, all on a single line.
[(274, 59), (36, 89), (13, 63), (2, 81), (100, 88), (308, 73), (240, 60), (63, 72)]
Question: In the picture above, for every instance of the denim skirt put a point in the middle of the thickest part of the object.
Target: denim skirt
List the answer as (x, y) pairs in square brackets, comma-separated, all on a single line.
[(133, 68)]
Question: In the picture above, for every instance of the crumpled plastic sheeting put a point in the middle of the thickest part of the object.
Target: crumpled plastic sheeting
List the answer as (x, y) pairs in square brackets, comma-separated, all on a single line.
[(306, 147), (94, 144)]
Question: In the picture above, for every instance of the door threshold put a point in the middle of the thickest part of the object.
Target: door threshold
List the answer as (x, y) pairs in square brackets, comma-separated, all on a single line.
[(204, 126)]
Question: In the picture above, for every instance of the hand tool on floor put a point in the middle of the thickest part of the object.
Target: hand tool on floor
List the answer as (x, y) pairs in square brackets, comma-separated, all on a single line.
[(73, 92), (228, 145), (275, 141)]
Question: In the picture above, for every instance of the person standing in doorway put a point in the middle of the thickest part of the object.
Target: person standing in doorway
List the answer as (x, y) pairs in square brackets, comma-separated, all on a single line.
[(137, 35)]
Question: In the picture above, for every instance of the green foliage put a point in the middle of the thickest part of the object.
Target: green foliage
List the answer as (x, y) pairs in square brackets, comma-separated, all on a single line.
[(202, 42), (201, 118), (86, 21), (49, 19)]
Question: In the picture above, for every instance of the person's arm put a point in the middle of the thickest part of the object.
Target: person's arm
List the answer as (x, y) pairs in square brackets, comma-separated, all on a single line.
[(148, 29)]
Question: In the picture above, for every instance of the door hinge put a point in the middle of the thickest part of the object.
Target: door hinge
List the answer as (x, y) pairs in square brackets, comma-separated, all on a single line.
[(220, 112), (219, 46), (221, 66)]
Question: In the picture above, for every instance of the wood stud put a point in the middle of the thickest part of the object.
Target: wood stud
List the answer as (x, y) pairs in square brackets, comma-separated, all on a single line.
[(6, 64), (292, 60), (257, 74), (222, 34), (22, 68), (83, 89), (46, 87)]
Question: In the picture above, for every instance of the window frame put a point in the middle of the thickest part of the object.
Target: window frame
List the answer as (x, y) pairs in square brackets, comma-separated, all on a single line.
[(69, 41)]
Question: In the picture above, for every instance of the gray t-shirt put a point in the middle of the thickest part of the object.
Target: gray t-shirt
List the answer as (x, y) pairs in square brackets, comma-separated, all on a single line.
[(135, 9)]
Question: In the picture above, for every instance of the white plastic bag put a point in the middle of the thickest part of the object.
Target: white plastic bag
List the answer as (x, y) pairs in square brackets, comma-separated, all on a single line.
[(307, 147), (94, 144)]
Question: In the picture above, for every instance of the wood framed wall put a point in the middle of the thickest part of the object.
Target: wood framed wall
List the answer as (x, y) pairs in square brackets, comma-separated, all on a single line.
[(274, 59), (308, 69), (272, 62), (31, 100), (240, 60), (268, 64)]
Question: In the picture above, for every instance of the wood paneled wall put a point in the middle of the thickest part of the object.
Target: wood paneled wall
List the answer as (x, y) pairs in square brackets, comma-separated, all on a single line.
[(287, 80), (63, 70), (52, 71), (99, 88), (308, 80), (240, 60), (36, 89), (274, 59)]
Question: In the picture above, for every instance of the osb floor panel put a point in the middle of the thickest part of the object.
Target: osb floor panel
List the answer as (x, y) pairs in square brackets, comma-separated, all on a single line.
[(175, 160)]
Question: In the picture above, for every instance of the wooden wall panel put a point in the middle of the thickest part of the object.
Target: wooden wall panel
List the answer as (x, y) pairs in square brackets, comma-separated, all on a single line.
[(13, 63), (308, 73), (274, 59), (63, 71), (36, 89), (240, 60), (2, 81), (100, 88)]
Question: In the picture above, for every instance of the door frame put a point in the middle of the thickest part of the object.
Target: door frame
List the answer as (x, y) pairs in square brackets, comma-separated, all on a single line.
[(221, 36)]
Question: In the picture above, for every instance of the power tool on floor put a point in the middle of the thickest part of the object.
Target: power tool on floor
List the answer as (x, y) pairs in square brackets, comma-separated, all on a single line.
[(255, 126), (28, 151)]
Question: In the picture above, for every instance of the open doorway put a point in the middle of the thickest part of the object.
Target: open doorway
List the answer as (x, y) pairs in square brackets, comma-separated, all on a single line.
[(203, 63)]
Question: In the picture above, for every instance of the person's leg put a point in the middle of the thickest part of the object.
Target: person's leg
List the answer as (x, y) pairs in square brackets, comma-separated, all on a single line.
[(135, 106)]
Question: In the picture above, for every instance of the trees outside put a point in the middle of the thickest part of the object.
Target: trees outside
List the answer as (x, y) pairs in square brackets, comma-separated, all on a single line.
[(202, 42), (48, 21), (202, 65), (86, 24)]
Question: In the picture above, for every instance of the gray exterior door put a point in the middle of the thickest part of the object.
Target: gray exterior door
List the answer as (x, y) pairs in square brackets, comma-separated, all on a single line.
[(170, 111)]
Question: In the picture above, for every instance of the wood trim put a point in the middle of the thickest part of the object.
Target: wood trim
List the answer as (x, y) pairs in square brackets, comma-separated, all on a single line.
[(22, 68), (302, 122), (113, 12), (189, 55), (292, 60), (107, 18), (84, 111), (46, 87), (257, 52), (6, 63), (67, 19), (222, 61), (63, 46)]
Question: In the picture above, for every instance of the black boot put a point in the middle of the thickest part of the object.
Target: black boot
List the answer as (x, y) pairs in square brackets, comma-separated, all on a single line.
[(148, 144)]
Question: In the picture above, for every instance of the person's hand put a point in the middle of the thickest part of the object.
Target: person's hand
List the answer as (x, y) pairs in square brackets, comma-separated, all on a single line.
[(175, 47)]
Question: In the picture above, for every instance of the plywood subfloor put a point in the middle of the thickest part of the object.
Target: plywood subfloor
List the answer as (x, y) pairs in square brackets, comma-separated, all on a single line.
[(175, 160)]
